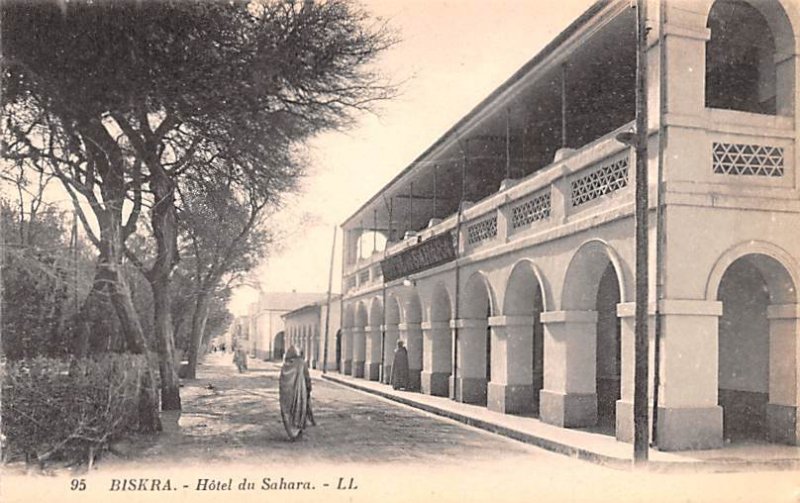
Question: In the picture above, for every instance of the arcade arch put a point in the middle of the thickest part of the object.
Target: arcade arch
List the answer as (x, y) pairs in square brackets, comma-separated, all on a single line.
[(757, 345)]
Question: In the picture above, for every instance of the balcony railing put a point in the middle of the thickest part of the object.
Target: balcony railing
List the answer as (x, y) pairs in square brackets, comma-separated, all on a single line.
[(595, 178)]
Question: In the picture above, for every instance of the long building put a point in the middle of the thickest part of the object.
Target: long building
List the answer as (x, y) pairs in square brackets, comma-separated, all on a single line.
[(509, 263), (315, 329)]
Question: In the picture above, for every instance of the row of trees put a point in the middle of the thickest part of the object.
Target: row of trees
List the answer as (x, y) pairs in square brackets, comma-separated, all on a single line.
[(175, 127)]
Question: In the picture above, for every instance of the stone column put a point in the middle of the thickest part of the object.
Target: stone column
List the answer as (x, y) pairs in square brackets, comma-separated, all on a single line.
[(346, 366), (392, 334), (624, 407), (511, 388), (412, 334), (783, 408), (569, 397), (359, 346), (372, 367), (689, 416), (469, 383), (436, 357)]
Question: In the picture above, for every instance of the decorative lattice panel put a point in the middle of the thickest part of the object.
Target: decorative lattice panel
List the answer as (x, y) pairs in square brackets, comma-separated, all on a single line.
[(363, 276), (349, 283), (531, 210), (747, 160), (599, 181), (482, 230)]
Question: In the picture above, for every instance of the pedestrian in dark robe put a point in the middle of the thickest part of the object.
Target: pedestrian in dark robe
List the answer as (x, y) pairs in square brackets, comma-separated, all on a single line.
[(399, 378), (295, 394), (240, 358)]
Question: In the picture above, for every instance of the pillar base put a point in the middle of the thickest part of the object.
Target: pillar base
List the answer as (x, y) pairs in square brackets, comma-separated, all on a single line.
[(348, 367), (624, 421), (683, 429), (570, 410), (372, 371), (387, 374), (358, 369), (782, 426), (468, 390), (414, 380), (435, 383), (511, 398)]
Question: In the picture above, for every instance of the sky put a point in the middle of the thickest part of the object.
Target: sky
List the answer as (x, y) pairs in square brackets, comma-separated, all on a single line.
[(451, 55)]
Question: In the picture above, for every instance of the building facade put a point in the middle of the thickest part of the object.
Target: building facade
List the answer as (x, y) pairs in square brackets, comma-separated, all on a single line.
[(509, 263), (309, 327), (266, 320)]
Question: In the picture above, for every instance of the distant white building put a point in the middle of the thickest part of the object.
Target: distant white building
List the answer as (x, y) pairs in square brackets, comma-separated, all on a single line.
[(266, 322), (309, 327)]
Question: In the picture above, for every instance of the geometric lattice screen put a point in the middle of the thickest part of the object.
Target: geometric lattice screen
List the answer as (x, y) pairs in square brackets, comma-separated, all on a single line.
[(482, 230), (532, 210), (747, 160), (601, 180)]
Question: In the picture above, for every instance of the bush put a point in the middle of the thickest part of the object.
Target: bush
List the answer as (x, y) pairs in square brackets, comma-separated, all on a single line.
[(70, 411)]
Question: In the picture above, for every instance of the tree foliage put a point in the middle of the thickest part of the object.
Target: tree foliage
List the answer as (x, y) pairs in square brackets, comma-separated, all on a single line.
[(125, 101)]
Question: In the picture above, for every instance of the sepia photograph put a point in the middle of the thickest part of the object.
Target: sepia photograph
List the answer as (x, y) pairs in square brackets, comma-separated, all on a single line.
[(400, 251)]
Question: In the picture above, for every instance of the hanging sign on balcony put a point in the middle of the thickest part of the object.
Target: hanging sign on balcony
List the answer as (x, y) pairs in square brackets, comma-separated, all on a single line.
[(430, 253)]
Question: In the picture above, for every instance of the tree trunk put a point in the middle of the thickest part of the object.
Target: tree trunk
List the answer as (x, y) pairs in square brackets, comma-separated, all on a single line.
[(199, 319), (165, 231)]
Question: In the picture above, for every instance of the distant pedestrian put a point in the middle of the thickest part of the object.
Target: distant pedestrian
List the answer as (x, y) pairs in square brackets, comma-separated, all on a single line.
[(399, 378), (295, 394), (240, 357)]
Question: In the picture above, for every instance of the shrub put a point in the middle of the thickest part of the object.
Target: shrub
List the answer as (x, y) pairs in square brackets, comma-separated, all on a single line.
[(55, 409)]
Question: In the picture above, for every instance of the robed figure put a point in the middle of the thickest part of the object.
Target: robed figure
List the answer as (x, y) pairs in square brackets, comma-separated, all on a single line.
[(399, 378), (295, 394)]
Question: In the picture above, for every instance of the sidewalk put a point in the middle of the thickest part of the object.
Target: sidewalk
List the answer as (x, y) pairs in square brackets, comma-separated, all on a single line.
[(582, 444)]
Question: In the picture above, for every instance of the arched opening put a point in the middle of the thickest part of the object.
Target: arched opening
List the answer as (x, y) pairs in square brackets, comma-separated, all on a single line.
[(437, 345), (744, 57), (748, 384), (594, 287), (524, 298), (278, 346), (608, 359), (359, 340), (412, 311), (474, 343), (372, 367), (391, 334), (346, 352)]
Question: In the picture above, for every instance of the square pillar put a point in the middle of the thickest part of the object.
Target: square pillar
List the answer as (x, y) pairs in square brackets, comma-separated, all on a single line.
[(436, 358), (411, 333), (359, 346), (372, 365), (392, 333), (783, 408), (469, 383), (689, 416), (569, 398), (624, 406), (511, 388), (346, 366)]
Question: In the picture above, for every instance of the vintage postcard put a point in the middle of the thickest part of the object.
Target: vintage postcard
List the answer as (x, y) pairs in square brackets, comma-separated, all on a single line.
[(400, 250)]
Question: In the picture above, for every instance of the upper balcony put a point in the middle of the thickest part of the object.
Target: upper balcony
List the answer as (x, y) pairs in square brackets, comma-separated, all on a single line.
[(538, 158), (594, 180)]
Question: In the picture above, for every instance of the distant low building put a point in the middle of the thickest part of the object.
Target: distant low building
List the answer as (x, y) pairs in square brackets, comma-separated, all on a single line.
[(266, 322), (309, 327)]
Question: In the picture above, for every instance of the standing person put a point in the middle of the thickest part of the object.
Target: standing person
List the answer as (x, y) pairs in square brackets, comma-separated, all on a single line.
[(295, 394), (400, 367), (239, 356)]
